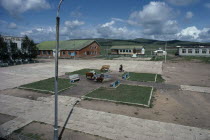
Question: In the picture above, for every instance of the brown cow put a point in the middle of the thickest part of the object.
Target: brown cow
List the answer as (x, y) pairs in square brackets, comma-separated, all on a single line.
[(105, 67), (89, 75)]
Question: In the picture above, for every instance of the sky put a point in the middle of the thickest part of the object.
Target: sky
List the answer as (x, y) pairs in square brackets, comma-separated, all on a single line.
[(114, 19)]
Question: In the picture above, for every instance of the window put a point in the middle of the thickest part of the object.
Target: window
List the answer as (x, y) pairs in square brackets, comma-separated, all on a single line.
[(126, 50), (196, 50), (85, 53), (69, 53), (38, 52), (203, 51), (123, 50), (183, 50), (48, 52), (63, 52), (44, 52), (130, 51), (189, 50)]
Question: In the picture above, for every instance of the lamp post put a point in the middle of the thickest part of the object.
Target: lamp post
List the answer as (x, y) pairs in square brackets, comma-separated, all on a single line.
[(165, 51), (56, 73)]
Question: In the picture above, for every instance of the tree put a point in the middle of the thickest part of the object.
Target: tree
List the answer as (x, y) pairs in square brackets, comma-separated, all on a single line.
[(29, 48), (4, 55), (13, 50), (134, 50)]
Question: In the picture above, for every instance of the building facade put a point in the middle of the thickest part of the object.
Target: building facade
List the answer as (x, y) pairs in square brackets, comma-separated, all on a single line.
[(127, 50), (70, 49), (194, 51), (17, 41)]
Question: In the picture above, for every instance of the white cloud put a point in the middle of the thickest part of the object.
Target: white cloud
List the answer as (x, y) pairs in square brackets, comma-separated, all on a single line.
[(189, 15), (12, 25), (40, 34), (73, 24), (15, 7), (189, 32), (181, 2), (108, 24), (108, 30), (156, 18), (207, 5), (70, 26), (152, 13), (194, 34)]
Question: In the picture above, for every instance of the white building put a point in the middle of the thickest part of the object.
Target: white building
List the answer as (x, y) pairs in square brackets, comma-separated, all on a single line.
[(194, 51), (16, 40), (128, 50)]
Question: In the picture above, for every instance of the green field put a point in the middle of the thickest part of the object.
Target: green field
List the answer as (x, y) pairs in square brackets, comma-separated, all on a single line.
[(145, 77), (150, 45), (124, 94), (47, 85), (83, 71)]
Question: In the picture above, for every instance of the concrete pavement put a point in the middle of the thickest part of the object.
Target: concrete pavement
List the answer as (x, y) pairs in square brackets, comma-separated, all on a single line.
[(23, 74), (196, 88), (112, 126)]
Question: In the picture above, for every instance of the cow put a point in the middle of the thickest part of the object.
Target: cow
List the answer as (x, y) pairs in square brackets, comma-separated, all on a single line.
[(105, 67), (89, 75)]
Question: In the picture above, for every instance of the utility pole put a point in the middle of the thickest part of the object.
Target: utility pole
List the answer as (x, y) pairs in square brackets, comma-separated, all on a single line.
[(165, 51), (56, 73)]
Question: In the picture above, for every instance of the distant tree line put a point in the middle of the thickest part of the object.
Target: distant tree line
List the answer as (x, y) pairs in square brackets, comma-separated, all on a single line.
[(10, 53)]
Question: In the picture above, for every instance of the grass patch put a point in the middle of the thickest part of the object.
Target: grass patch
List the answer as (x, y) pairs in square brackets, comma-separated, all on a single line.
[(145, 77), (83, 71), (48, 85), (123, 94)]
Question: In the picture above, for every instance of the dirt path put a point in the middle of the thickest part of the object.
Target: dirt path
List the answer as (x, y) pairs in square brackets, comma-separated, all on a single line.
[(174, 106), (187, 73)]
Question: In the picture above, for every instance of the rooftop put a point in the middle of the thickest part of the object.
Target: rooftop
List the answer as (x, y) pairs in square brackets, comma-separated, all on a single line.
[(188, 47), (65, 45)]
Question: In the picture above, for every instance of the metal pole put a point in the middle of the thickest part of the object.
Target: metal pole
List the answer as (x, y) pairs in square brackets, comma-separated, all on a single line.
[(165, 51), (56, 73), (56, 80)]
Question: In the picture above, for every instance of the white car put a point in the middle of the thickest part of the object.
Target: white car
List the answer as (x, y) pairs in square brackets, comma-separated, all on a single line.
[(160, 52)]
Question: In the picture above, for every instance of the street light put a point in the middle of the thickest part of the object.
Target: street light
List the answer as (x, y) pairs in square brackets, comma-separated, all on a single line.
[(165, 51), (56, 73)]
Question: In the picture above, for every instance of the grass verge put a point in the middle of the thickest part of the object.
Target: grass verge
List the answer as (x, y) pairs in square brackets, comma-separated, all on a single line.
[(145, 77), (128, 94), (47, 85)]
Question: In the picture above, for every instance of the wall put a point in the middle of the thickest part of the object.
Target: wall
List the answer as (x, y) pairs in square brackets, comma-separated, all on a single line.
[(47, 55), (90, 50), (193, 52), (93, 49), (130, 51), (17, 40)]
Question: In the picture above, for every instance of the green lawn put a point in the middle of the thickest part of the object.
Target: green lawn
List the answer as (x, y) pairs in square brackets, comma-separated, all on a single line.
[(124, 94), (145, 77), (83, 71), (47, 85)]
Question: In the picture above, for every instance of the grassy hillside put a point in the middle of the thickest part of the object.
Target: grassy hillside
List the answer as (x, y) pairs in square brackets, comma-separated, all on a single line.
[(149, 44)]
